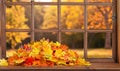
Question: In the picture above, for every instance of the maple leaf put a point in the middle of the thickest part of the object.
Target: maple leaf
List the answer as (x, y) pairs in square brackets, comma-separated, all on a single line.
[(47, 52), (36, 63), (3, 62), (58, 44), (19, 61), (29, 61), (72, 53), (61, 62), (82, 62), (59, 53), (34, 52)]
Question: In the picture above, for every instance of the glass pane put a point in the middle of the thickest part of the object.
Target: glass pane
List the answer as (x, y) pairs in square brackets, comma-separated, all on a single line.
[(72, 17), (52, 36), (14, 40), (99, 17), (45, 17), (18, 0), (18, 17), (74, 40), (45, 0), (100, 45), (72, 0), (99, 0)]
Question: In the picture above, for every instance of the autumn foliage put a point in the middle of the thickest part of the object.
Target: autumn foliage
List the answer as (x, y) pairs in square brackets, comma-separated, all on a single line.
[(15, 19), (45, 53)]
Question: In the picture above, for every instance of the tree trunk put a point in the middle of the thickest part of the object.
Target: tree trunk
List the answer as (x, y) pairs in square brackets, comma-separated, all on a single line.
[(108, 40), (108, 34), (106, 18)]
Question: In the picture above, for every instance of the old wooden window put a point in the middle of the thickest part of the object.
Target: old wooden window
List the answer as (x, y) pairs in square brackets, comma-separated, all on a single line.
[(88, 26)]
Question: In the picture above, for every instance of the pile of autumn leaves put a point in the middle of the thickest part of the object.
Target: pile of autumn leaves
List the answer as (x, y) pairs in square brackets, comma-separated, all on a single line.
[(44, 53)]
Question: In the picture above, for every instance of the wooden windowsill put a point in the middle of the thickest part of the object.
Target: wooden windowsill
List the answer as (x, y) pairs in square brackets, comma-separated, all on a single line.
[(93, 67)]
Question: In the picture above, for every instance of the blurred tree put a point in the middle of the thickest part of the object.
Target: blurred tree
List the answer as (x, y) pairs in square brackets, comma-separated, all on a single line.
[(38, 15), (50, 17), (72, 17), (100, 17), (15, 19)]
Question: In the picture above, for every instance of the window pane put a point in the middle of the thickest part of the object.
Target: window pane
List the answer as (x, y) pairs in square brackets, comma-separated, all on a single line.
[(99, 0), (72, 0), (16, 39), (45, 0), (18, 17), (75, 41), (99, 45), (18, 0), (45, 17), (99, 17), (52, 36), (72, 17)]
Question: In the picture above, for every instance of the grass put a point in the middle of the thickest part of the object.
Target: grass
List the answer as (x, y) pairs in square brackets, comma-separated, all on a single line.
[(100, 53), (92, 53), (96, 53)]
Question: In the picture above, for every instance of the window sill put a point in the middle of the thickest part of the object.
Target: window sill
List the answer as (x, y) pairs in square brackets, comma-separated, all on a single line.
[(93, 67)]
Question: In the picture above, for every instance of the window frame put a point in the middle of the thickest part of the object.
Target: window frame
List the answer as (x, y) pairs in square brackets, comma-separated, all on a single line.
[(0, 31), (118, 29), (59, 30)]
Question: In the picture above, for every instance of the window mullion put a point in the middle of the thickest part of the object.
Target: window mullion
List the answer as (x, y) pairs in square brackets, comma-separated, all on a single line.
[(85, 28), (118, 31), (0, 29), (114, 35), (32, 21), (59, 17), (3, 33)]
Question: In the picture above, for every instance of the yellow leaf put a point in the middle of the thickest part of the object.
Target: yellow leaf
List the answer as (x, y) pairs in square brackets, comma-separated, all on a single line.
[(34, 52), (58, 53), (47, 52), (3, 62), (82, 62), (19, 61), (61, 62)]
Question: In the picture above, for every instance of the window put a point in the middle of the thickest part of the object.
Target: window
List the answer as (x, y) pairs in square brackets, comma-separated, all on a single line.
[(87, 26)]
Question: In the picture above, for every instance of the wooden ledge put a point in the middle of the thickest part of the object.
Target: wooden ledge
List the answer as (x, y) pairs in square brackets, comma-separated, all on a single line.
[(93, 67)]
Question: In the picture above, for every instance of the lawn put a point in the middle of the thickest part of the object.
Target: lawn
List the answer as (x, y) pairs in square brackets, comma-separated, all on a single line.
[(96, 53)]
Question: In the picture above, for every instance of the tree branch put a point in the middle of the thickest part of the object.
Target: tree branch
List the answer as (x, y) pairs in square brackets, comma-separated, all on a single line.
[(100, 10)]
